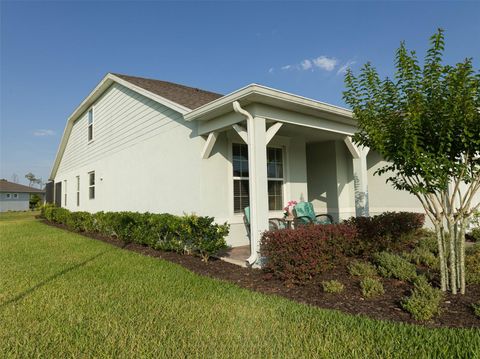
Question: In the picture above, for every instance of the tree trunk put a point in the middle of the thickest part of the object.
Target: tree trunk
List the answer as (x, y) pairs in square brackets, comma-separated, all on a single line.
[(441, 257), (452, 258), (461, 254)]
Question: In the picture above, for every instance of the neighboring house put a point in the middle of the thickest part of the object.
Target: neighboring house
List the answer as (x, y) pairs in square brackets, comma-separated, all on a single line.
[(146, 145), (16, 197)]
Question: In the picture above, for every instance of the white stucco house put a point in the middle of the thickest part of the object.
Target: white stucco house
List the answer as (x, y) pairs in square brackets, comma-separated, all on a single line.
[(146, 145)]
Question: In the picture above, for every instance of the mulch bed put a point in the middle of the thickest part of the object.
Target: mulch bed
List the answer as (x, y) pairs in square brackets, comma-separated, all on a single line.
[(456, 310)]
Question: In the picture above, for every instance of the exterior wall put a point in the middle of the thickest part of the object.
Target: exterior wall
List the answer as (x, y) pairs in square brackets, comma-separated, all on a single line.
[(330, 179), (382, 196), (142, 153), (14, 204)]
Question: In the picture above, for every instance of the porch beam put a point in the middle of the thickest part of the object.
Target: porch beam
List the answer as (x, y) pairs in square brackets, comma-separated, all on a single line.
[(209, 143), (272, 131), (242, 132), (220, 123), (326, 123)]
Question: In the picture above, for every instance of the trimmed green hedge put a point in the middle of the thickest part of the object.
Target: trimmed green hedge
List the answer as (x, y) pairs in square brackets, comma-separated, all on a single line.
[(186, 234)]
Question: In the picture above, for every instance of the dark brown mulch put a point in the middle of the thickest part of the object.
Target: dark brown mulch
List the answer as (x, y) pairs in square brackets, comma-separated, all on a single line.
[(456, 310)]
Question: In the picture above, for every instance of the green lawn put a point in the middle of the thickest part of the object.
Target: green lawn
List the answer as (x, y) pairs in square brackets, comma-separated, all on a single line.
[(64, 295)]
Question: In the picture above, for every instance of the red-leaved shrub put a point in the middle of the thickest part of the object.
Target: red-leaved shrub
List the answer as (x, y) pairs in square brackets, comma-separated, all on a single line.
[(296, 255), (391, 224)]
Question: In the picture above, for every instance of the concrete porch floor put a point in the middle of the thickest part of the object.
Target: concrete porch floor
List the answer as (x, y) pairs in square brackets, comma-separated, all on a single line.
[(236, 255)]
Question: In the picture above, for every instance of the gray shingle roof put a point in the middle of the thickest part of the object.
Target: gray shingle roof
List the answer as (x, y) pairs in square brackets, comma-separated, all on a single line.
[(6, 186), (189, 97)]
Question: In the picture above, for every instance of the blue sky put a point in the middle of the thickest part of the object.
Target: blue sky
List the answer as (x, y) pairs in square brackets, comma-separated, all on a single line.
[(54, 53)]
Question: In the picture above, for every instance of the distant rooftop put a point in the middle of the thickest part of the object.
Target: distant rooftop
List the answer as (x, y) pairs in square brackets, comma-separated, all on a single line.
[(6, 186)]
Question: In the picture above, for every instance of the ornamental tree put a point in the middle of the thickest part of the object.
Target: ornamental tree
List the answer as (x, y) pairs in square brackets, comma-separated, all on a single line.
[(426, 123)]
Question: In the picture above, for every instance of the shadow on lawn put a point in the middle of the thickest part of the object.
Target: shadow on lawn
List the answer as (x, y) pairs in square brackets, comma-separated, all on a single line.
[(25, 293)]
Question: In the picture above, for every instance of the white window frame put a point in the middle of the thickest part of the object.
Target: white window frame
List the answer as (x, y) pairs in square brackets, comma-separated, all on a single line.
[(233, 178), (15, 195), (90, 124), (78, 190), (65, 193), (91, 186), (8, 195)]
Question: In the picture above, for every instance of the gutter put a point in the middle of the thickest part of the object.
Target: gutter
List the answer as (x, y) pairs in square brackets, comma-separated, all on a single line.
[(253, 240)]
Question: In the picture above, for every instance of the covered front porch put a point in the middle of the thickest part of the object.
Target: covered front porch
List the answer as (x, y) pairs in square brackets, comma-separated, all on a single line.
[(284, 147)]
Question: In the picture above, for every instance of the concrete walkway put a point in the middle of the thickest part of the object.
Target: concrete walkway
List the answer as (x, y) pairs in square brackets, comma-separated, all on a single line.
[(236, 255)]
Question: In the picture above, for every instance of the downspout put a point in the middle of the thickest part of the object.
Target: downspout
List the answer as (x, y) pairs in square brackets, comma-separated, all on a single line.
[(253, 238)]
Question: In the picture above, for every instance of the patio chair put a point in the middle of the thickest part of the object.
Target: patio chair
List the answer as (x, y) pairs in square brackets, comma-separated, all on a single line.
[(273, 223), (305, 215)]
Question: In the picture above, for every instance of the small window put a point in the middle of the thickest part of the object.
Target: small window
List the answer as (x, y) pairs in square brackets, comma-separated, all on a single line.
[(65, 193), (15, 195), (90, 125), (91, 185), (8, 195), (78, 191)]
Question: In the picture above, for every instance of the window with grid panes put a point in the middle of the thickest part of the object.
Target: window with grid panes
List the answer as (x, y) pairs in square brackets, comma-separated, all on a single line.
[(240, 178)]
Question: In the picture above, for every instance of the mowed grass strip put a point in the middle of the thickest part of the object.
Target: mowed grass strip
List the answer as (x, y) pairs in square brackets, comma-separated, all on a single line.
[(64, 295)]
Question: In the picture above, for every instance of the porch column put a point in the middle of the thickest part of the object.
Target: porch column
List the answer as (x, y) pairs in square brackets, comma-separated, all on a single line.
[(258, 184), (360, 177)]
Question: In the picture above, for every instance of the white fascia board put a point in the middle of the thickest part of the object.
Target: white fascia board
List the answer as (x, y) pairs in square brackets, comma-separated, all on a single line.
[(201, 113), (104, 84)]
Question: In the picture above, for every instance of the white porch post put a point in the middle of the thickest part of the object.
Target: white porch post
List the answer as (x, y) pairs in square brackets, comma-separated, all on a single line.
[(258, 184), (360, 177)]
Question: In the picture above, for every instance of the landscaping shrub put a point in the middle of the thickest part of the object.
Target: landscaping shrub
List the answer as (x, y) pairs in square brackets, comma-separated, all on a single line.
[(186, 234), (474, 234), (472, 264), (46, 211), (332, 286), (362, 269), (296, 255), (421, 255), (393, 266), (427, 239), (387, 231), (476, 309), (424, 302), (207, 237), (80, 221), (388, 224), (60, 215), (371, 287)]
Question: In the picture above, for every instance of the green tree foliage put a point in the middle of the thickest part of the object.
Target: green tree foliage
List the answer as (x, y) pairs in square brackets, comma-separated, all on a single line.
[(426, 123)]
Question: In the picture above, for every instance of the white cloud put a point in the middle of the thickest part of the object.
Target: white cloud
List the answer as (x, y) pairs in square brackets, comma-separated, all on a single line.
[(306, 64), (322, 62), (343, 69), (43, 132), (270, 70), (325, 63)]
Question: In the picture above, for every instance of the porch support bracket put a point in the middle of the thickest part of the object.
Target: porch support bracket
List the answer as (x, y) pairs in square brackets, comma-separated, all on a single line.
[(209, 143), (272, 131), (241, 132)]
